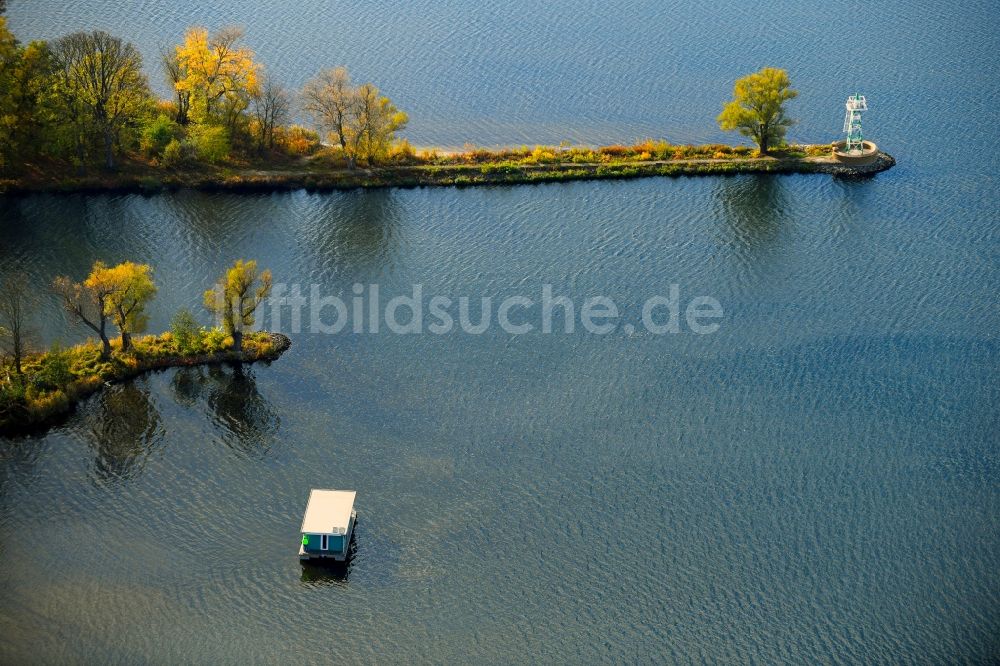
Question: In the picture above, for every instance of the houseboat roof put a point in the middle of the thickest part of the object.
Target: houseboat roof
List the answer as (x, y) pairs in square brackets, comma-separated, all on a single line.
[(328, 511)]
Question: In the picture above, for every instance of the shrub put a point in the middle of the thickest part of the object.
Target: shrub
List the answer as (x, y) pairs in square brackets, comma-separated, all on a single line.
[(402, 153), (541, 155), (297, 140), (42, 406), (213, 340), (173, 154), (185, 332), (616, 171), (615, 151), (157, 135), (210, 142), (54, 369), (503, 168), (11, 392)]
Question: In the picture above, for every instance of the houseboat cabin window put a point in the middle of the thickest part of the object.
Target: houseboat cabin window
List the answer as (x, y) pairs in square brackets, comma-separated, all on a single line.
[(324, 543)]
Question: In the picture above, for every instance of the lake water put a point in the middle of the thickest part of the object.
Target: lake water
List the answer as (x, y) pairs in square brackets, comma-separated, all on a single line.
[(818, 481)]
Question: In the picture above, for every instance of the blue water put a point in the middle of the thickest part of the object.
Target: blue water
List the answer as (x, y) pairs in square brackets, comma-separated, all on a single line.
[(816, 482)]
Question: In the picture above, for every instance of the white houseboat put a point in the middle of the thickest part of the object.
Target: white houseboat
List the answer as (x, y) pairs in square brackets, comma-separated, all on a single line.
[(328, 525)]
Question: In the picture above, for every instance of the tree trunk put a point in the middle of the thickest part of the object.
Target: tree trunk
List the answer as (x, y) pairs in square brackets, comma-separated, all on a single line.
[(350, 158), (81, 155), (105, 347), (765, 130), (126, 341), (109, 153), (105, 343), (237, 341)]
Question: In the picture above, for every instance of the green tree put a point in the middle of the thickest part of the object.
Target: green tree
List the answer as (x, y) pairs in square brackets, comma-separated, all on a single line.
[(101, 86), (235, 297), (757, 110), (10, 56), (24, 78)]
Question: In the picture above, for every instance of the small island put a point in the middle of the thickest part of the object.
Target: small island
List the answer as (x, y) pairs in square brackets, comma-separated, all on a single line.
[(80, 116), (40, 387)]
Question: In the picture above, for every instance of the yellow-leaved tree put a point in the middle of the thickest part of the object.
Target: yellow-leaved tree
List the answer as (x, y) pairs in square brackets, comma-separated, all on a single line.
[(376, 122), (235, 297), (757, 110), (131, 289), (216, 73), (119, 293)]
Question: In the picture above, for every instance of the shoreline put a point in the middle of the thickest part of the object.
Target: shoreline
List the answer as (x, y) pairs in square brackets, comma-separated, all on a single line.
[(27, 419), (211, 178)]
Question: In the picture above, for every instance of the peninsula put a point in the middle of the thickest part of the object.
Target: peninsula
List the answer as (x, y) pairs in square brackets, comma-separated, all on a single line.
[(81, 116), (38, 387), (527, 165)]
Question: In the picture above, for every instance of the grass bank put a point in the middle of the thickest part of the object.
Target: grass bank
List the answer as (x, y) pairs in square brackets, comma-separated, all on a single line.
[(407, 168), (53, 382)]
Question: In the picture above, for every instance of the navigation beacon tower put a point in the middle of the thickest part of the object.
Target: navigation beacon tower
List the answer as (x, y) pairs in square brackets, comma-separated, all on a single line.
[(852, 124)]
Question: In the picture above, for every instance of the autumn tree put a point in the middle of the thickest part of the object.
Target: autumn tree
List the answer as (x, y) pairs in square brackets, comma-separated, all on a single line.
[(757, 110), (376, 121), (329, 98), (87, 303), (101, 84), (116, 293), (235, 297), (131, 290), (217, 71), (271, 105), (16, 304), (176, 72), (358, 118)]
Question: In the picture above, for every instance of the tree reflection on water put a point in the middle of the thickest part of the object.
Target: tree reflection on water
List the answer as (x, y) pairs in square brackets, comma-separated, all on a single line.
[(246, 420), (123, 430)]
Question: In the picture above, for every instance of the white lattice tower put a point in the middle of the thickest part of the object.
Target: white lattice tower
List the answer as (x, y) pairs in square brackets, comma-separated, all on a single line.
[(852, 123)]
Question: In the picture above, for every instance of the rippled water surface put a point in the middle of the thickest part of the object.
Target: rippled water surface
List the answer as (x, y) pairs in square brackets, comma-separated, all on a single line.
[(819, 481)]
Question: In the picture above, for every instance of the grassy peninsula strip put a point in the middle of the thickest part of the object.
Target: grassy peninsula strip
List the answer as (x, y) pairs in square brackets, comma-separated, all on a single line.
[(79, 115), (36, 388), (54, 381), (538, 165)]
